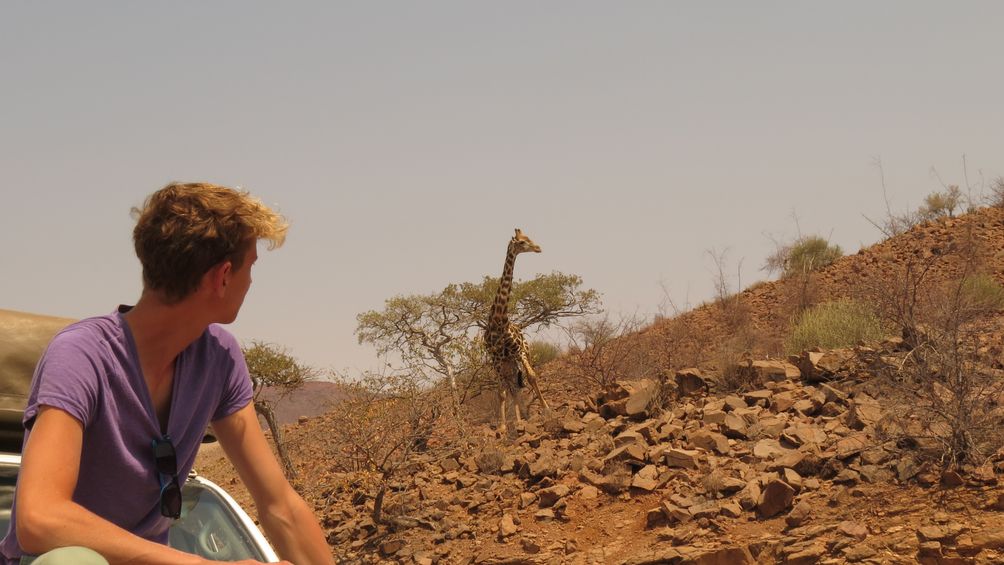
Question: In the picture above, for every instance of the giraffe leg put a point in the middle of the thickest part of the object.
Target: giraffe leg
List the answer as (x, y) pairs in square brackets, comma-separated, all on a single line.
[(502, 427), (515, 407), (531, 377)]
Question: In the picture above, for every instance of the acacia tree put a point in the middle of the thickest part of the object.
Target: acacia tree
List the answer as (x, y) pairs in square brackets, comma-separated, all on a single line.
[(438, 335), (941, 204), (273, 368), (423, 330), (539, 302)]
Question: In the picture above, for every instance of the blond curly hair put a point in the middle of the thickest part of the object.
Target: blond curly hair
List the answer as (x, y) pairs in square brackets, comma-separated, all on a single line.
[(184, 229)]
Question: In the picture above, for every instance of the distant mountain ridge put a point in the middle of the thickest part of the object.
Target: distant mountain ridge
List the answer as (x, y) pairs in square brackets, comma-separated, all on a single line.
[(312, 399)]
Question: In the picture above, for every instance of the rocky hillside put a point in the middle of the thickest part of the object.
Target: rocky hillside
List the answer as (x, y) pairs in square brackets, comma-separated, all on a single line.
[(763, 312), (811, 463)]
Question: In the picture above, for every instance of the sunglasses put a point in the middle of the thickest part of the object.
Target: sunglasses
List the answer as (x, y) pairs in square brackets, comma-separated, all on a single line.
[(167, 466)]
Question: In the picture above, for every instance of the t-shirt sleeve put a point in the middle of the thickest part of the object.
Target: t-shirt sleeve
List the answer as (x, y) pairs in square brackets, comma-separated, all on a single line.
[(67, 378), (237, 389)]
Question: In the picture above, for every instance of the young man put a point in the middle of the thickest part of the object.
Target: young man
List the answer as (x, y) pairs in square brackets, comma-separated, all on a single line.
[(119, 403)]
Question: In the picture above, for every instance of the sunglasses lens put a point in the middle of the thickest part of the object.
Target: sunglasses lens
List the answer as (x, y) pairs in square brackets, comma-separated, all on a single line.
[(167, 461), (170, 500)]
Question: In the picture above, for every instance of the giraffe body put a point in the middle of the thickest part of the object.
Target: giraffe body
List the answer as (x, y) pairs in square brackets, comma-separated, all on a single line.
[(504, 341)]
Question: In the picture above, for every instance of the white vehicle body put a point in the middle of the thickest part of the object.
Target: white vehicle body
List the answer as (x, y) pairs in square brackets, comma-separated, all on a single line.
[(212, 524)]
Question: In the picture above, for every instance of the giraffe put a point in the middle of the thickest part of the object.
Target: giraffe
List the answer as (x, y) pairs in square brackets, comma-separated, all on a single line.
[(504, 340)]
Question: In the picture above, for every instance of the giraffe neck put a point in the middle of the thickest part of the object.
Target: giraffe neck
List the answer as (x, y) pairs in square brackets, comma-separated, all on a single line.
[(500, 308)]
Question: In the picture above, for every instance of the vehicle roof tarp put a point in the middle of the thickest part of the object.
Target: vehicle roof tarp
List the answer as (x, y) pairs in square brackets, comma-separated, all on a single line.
[(23, 338)]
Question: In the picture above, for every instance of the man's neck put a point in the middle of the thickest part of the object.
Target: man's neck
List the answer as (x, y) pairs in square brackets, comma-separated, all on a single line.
[(162, 331)]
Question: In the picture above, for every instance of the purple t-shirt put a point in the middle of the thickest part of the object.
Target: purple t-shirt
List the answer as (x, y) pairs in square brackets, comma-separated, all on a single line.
[(91, 370)]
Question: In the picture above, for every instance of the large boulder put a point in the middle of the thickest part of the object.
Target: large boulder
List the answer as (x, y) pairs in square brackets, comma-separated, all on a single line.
[(775, 370), (710, 441), (690, 381), (865, 412), (817, 366), (684, 458), (776, 497), (633, 399)]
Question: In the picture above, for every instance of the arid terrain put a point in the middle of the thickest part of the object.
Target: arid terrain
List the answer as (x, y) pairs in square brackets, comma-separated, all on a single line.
[(815, 457)]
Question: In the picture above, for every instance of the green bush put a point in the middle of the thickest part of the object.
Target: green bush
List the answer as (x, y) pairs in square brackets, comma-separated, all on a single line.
[(841, 323), (542, 352), (803, 256), (810, 254), (981, 292)]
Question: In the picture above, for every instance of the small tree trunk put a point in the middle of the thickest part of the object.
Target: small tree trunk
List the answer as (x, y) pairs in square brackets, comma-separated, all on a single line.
[(378, 504), (453, 380), (265, 410)]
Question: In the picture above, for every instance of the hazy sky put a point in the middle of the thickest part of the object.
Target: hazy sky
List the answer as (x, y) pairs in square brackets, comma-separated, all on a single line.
[(406, 140)]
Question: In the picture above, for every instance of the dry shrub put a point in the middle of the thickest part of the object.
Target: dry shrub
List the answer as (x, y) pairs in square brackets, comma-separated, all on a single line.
[(603, 351), (800, 293), (604, 444), (945, 394), (892, 224), (687, 345), (665, 395), (483, 407), (946, 402), (914, 293), (739, 376), (618, 477), (478, 387), (714, 482), (734, 360), (732, 311), (736, 372), (386, 423), (553, 422), (904, 298), (755, 431), (997, 192)]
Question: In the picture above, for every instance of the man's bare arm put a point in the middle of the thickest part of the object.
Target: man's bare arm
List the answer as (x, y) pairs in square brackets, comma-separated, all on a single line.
[(48, 518), (289, 523)]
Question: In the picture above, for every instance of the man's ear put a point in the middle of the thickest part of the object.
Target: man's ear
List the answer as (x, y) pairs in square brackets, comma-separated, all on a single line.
[(218, 277)]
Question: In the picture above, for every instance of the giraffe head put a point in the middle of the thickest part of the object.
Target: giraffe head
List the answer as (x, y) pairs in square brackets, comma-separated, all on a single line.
[(522, 243)]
